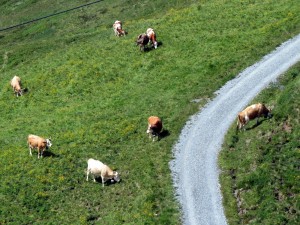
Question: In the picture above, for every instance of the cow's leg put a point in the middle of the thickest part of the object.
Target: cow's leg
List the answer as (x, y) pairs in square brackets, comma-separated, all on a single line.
[(257, 120), (156, 137), (87, 174), (244, 127), (30, 153), (103, 181), (240, 126)]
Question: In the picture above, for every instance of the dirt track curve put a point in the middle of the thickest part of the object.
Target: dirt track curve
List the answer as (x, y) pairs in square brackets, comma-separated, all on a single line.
[(194, 168)]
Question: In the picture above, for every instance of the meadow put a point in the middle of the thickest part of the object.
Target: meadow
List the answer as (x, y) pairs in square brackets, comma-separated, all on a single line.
[(92, 93), (260, 166)]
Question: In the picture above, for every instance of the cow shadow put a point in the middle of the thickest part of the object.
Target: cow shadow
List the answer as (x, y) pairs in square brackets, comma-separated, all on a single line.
[(25, 90), (164, 134), (149, 48), (50, 154), (257, 124), (108, 182)]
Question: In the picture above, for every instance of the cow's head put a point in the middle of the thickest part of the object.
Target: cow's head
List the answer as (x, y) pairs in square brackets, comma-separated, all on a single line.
[(153, 131), (116, 176), (48, 143), (267, 112), (19, 92)]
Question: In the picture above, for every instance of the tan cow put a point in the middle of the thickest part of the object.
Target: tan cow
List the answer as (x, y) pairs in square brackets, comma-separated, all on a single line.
[(252, 112), (154, 127), (97, 168), (41, 144), (16, 85), (117, 26), (152, 37)]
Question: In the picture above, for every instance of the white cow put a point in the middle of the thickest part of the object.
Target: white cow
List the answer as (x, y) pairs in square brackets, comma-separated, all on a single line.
[(97, 168), (117, 26), (152, 37), (16, 85)]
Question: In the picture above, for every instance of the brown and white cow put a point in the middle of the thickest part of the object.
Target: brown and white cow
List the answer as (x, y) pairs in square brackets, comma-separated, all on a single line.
[(117, 26), (142, 41), (16, 85), (99, 169), (41, 144), (154, 127), (252, 112), (152, 37)]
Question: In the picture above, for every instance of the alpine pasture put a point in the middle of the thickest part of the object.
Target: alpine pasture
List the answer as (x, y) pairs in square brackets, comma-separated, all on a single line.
[(92, 93), (260, 166)]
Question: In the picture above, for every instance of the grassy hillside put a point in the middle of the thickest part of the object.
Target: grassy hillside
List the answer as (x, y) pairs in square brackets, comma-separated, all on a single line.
[(260, 166), (92, 93)]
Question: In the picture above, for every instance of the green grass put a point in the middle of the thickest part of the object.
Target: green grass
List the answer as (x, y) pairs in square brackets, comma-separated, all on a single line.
[(260, 178), (93, 92)]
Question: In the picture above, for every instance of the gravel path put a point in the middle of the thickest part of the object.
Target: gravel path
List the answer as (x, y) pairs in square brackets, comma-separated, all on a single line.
[(195, 170)]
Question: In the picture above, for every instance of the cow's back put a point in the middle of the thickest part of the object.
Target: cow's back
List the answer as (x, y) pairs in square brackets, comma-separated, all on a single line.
[(33, 138), (256, 110), (95, 166), (155, 122), (36, 141), (251, 111), (15, 81), (150, 32), (16, 78)]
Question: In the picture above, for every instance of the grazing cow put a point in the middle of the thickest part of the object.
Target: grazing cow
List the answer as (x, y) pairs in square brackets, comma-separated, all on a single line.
[(152, 37), (97, 168), (16, 85), (252, 112), (142, 41), (117, 26), (41, 144), (154, 127)]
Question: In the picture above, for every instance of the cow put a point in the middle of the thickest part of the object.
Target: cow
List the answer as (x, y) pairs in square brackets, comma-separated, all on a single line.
[(154, 127), (16, 85), (117, 26), (41, 144), (97, 168), (250, 113), (142, 41), (152, 37)]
